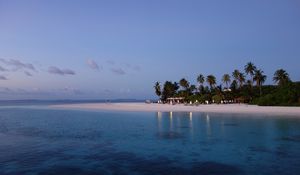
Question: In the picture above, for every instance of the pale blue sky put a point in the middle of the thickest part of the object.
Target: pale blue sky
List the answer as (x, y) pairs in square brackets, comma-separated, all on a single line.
[(117, 49)]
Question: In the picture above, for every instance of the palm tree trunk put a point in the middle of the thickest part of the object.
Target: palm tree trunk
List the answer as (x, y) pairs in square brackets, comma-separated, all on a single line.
[(251, 82), (260, 93)]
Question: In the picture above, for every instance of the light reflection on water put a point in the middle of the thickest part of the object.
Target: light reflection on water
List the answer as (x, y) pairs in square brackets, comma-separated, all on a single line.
[(37, 141)]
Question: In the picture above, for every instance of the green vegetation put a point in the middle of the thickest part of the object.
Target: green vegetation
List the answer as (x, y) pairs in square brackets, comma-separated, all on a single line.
[(247, 87), (285, 95)]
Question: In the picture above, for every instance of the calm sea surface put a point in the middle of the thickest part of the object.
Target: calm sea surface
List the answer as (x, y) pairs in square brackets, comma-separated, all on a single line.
[(37, 140)]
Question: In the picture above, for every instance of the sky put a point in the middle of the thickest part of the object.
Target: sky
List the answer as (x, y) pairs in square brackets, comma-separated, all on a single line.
[(108, 49)]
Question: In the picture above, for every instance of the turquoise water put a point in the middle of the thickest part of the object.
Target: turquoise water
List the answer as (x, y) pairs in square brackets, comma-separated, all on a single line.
[(44, 141)]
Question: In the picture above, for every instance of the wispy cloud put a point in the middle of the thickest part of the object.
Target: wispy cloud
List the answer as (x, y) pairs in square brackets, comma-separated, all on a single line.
[(12, 65), (58, 71), (124, 91), (133, 67), (137, 68), (2, 69), (92, 64), (111, 62), (72, 90), (28, 73), (114, 67), (107, 91), (118, 71), (4, 90), (17, 64), (2, 77)]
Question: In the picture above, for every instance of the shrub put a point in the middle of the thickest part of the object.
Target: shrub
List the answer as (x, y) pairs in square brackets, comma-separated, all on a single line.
[(205, 97), (287, 95), (267, 100), (217, 99)]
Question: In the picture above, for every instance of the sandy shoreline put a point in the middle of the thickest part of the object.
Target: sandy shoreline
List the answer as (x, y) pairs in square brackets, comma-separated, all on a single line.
[(228, 108)]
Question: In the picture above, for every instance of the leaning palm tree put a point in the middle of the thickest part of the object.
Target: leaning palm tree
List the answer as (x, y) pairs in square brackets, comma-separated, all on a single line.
[(235, 74), (281, 77), (241, 79), (157, 89), (250, 69), (211, 80), (226, 79), (259, 78), (184, 83), (201, 79)]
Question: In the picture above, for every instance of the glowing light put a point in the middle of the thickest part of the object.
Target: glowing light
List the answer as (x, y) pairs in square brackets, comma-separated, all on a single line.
[(207, 118), (159, 114)]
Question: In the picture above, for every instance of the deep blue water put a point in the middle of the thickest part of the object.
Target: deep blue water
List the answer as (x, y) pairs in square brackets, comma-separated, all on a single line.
[(44, 141)]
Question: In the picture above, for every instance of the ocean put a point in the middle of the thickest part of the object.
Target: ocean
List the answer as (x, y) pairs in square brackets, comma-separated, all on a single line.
[(35, 139)]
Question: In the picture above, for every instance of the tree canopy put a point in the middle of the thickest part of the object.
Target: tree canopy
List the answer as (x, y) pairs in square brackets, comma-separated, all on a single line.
[(238, 88)]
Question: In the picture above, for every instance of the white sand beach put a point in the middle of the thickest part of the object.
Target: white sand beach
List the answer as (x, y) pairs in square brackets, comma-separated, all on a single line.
[(224, 108)]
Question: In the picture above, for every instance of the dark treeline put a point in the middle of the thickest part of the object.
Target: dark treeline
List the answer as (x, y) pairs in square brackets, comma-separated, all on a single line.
[(239, 87)]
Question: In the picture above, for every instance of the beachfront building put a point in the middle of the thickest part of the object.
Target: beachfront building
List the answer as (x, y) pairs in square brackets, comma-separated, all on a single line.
[(174, 100), (226, 90)]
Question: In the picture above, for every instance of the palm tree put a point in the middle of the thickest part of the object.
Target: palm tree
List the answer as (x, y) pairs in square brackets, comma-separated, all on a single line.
[(226, 79), (200, 80), (192, 89), (236, 74), (169, 90), (184, 83), (281, 77), (157, 89), (211, 80), (234, 85), (250, 69), (260, 78), (175, 86), (249, 83), (241, 79)]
